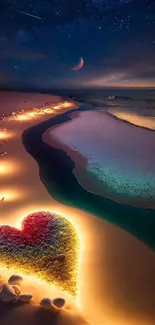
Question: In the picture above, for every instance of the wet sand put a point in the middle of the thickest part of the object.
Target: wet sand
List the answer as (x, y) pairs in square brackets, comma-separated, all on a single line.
[(116, 276)]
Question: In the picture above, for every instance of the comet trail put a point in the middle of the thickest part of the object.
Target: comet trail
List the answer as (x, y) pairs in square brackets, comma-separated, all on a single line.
[(27, 14)]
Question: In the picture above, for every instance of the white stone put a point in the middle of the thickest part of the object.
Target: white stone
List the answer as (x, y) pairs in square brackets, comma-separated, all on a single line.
[(7, 293), (16, 289), (58, 302), (26, 297), (46, 303), (15, 279)]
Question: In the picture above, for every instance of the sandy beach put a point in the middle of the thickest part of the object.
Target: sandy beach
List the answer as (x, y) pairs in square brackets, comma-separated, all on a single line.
[(116, 271), (135, 118), (116, 160), (24, 194)]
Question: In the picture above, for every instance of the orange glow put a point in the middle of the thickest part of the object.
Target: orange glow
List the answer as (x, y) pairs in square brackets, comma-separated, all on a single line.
[(22, 117), (8, 168), (10, 195), (48, 111), (31, 114), (38, 287), (143, 121), (67, 104), (57, 107), (5, 135), (25, 115), (40, 113)]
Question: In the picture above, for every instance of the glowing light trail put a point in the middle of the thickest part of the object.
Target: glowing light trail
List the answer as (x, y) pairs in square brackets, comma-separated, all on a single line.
[(27, 14)]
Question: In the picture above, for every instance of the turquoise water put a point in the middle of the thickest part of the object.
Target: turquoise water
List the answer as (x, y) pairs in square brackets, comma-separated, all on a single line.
[(56, 173)]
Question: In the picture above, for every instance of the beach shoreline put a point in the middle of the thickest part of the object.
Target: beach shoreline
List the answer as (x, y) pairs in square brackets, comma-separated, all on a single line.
[(116, 273)]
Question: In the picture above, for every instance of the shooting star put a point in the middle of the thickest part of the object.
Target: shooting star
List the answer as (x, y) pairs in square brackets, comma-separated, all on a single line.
[(27, 14)]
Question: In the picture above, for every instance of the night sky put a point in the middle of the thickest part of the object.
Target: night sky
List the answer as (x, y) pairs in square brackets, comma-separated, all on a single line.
[(116, 39)]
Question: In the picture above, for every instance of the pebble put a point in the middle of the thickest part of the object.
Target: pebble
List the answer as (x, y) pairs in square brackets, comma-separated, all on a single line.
[(58, 302), (15, 279), (16, 300), (25, 297), (16, 289), (46, 303), (3, 153), (60, 256), (7, 293)]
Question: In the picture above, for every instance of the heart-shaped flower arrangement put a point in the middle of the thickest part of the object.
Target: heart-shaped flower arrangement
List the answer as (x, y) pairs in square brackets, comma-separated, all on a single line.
[(47, 246)]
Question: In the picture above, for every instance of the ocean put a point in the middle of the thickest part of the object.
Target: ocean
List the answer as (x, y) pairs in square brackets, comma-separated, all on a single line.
[(141, 98)]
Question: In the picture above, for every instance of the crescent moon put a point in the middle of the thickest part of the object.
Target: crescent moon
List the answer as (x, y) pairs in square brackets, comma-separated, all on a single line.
[(79, 65)]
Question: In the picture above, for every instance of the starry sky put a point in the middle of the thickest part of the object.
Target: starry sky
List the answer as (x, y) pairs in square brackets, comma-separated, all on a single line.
[(41, 40)]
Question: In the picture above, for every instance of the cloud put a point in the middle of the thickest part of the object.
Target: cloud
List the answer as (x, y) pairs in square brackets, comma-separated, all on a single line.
[(125, 67), (25, 55), (120, 79)]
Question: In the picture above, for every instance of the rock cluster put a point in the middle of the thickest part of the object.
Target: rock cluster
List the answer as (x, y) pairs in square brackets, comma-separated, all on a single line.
[(15, 279), (48, 303), (11, 292)]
